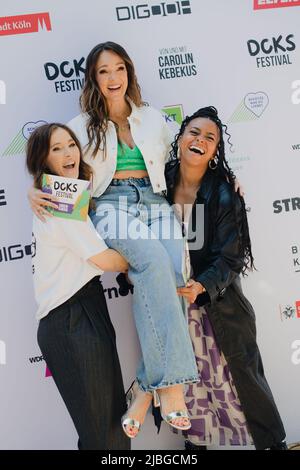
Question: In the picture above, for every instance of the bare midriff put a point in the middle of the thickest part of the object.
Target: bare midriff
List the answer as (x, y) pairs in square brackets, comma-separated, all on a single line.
[(124, 174)]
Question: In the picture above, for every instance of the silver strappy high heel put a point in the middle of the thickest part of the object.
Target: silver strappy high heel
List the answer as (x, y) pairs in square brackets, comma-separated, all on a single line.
[(173, 415), (126, 420)]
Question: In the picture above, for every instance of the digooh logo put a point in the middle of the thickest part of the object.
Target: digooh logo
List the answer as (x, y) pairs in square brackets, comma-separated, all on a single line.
[(266, 4), (2, 92), (144, 10), (14, 252), (22, 24), (2, 353), (251, 107), (18, 144)]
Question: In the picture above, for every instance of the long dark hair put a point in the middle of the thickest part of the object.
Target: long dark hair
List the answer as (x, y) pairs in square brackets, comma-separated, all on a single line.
[(93, 102), (37, 151), (222, 172)]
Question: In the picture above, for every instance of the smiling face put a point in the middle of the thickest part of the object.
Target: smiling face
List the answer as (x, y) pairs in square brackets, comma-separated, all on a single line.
[(111, 76), (64, 156), (199, 142)]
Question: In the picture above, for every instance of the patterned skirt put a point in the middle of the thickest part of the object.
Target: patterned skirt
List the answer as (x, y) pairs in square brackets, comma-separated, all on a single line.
[(213, 403)]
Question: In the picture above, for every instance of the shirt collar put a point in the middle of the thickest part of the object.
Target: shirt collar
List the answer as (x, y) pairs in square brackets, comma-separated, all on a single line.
[(135, 111)]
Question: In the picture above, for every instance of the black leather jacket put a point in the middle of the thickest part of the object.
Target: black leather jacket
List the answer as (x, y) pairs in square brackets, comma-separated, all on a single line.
[(221, 259)]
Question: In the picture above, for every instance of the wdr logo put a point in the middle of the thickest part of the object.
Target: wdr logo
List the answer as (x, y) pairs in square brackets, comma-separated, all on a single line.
[(2, 92), (2, 353)]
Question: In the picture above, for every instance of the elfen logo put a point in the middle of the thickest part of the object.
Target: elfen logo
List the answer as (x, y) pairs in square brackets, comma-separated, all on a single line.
[(264, 4), (2, 353), (2, 92), (22, 24)]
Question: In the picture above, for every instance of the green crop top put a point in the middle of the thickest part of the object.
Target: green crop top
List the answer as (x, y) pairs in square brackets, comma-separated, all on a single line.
[(129, 159)]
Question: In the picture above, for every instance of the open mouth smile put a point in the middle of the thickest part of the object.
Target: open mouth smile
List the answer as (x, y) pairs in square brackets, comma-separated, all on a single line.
[(197, 150)]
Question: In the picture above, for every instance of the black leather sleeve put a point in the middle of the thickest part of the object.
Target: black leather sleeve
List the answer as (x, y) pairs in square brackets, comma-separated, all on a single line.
[(226, 258)]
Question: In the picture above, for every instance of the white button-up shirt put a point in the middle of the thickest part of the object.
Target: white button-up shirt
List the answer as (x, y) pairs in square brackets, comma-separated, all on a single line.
[(151, 135)]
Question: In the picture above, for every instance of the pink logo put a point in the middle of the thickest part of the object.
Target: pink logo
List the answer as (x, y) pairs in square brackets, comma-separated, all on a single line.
[(48, 372), (298, 308), (22, 24), (264, 4)]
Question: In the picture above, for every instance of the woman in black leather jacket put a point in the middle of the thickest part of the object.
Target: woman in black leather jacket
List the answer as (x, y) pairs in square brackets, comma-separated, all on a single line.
[(233, 404)]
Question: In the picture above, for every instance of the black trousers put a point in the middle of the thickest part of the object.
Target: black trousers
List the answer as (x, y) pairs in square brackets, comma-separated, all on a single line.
[(233, 321), (78, 343)]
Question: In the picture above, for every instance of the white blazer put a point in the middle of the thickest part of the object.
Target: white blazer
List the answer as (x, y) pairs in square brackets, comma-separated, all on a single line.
[(150, 133)]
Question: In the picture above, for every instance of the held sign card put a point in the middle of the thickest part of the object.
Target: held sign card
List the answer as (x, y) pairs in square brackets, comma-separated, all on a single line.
[(73, 196)]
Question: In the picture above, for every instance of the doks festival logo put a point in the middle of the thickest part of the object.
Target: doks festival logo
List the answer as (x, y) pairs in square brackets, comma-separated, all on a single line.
[(71, 74), (21, 24), (142, 11), (176, 62), (265, 4), (273, 51)]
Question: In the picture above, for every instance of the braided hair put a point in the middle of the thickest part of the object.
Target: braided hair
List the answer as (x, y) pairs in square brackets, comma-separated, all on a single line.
[(223, 172)]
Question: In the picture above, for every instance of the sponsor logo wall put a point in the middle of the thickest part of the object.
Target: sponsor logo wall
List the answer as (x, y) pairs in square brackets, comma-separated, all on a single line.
[(186, 56)]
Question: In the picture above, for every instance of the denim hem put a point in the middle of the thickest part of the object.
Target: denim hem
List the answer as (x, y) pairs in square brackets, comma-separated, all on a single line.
[(165, 384)]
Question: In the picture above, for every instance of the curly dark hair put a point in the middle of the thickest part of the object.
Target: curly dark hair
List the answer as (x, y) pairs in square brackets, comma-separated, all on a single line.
[(223, 172)]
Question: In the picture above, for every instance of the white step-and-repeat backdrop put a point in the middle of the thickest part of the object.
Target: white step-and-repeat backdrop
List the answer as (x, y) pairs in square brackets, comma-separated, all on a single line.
[(242, 56)]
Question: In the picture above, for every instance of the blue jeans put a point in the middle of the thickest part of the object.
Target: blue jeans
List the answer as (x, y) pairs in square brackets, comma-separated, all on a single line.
[(143, 228)]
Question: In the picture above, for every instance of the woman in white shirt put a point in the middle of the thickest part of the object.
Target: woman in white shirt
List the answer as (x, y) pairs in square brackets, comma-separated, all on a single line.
[(127, 144), (75, 333)]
